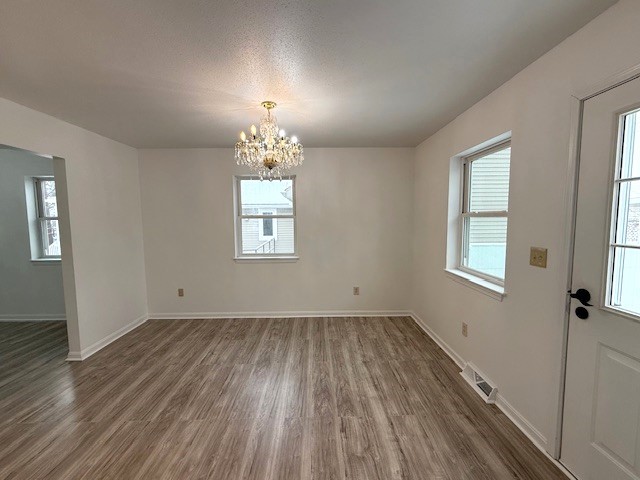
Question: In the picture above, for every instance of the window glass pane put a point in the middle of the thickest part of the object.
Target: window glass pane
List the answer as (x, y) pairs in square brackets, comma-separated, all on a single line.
[(280, 243), (486, 245), (631, 147), (266, 197), (626, 278), (49, 202), (489, 182), (628, 227), (50, 238)]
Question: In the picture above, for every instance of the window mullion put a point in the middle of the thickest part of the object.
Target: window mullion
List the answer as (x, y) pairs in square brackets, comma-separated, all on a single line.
[(497, 214), (628, 179), (266, 216), (625, 245)]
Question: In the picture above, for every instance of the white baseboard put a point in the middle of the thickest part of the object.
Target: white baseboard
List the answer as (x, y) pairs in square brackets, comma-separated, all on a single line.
[(511, 413), (32, 317), (441, 343), (522, 423), (100, 344), (327, 313)]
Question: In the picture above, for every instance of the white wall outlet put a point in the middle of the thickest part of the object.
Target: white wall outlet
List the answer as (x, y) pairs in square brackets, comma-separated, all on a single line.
[(356, 290), (465, 330)]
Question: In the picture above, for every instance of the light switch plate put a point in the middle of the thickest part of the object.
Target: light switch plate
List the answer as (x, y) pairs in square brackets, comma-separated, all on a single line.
[(538, 257)]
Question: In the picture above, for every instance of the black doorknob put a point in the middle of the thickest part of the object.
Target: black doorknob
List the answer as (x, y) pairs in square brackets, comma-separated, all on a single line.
[(582, 295), (582, 313)]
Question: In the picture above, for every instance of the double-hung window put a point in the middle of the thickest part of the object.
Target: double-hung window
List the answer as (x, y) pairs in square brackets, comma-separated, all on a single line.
[(485, 207), (48, 231), (265, 217)]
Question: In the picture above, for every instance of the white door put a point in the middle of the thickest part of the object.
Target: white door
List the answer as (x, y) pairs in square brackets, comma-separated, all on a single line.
[(601, 427)]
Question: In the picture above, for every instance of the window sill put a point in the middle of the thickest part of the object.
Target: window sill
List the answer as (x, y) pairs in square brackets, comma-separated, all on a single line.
[(45, 261), (256, 259), (476, 283)]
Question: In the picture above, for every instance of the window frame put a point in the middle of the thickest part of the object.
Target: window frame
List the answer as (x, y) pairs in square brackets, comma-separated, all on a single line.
[(465, 211), (42, 219), (616, 180), (238, 217)]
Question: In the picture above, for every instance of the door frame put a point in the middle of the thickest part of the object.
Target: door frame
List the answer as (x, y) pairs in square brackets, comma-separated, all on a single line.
[(66, 244), (578, 99)]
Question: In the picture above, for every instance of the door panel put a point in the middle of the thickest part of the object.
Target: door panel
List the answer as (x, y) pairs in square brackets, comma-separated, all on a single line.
[(601, 426), (616, 414)]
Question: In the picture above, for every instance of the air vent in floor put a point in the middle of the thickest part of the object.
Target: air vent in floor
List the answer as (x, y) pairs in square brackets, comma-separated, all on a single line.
[(480, 383)]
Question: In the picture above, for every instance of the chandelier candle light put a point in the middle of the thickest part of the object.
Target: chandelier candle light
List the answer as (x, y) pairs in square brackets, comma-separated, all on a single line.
[(271, 153)]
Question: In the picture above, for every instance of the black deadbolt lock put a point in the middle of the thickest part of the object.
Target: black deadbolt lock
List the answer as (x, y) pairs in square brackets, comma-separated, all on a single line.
[(582, 313)]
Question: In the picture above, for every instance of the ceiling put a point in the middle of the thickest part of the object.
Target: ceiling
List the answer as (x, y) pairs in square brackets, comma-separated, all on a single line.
[(192, 73)]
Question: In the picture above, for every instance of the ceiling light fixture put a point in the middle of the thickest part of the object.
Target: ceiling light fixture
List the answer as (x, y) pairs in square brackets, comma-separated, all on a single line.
[(271, 153)]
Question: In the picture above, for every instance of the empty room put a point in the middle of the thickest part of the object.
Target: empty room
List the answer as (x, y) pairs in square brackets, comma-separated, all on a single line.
[(320, 239)]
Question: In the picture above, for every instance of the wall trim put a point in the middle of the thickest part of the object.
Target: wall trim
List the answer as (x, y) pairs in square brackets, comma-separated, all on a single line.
[(285, 314), (441, 343), (100, 344), (32, 317), (522, 423), (510, 412)]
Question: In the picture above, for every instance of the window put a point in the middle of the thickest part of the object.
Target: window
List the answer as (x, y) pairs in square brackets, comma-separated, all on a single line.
[(624, 247), (485, 205), (265, 218), (47, 229)]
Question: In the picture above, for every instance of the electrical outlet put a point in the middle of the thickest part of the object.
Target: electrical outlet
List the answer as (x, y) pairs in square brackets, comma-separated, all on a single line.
[(538, 257), (464, 329), (356, 290), (181, 292)]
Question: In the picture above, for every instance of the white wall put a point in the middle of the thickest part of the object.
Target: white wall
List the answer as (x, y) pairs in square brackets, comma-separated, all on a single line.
[(28, 290), (517, 343), (103, 265), (354, 226)]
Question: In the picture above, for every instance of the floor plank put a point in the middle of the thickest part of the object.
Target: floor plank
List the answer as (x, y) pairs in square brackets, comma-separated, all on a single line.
[(286, 398)]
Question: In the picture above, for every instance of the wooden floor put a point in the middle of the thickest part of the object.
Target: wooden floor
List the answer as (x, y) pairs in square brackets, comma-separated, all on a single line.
[(332, 398)]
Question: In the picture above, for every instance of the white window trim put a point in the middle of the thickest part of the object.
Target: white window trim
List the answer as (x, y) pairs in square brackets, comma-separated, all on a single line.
[(237, 216), (489, 285)]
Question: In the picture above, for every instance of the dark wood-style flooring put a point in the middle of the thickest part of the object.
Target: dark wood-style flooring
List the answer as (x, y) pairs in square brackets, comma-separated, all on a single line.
[(298, 398)]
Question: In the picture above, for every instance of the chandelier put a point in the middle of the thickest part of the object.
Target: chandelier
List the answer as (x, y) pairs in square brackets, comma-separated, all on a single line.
[(271, 153)]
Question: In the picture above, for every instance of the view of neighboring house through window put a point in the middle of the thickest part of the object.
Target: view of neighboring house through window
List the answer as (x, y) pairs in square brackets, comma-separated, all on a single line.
[(484, 213), (265, 217), (624, 250), (266, 229), (47, 217)]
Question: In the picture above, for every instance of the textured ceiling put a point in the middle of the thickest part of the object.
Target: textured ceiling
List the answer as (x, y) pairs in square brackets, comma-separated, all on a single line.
[(191, 73)]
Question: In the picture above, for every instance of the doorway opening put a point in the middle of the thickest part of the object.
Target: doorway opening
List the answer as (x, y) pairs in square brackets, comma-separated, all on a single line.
[(34, 254)]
